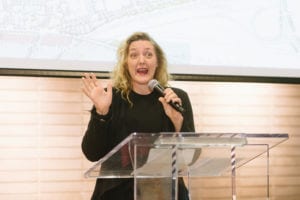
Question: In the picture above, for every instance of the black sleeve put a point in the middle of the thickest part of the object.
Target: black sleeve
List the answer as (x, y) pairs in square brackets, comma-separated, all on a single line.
[(188, 118), (94, 143)]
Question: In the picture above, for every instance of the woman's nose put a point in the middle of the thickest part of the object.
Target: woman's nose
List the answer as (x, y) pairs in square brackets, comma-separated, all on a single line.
[(141, 59)]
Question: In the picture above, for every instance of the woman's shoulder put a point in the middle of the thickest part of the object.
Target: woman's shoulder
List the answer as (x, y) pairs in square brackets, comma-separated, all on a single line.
[(179, 91)]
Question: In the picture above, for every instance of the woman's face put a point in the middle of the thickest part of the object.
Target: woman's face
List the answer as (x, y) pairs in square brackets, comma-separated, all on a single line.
[(142, 62)]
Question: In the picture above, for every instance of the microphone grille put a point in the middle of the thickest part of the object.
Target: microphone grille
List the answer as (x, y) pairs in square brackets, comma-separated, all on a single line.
[(152, 83)]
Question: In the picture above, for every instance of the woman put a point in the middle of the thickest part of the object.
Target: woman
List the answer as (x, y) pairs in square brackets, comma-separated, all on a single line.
[(119, 108)]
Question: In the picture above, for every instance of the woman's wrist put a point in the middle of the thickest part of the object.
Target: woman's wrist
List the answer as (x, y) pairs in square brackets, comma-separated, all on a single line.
[(178, 123), (102, 117), (102, 112)]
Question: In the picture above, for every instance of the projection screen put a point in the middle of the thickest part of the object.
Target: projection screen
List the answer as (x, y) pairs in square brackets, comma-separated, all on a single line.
[(218, 37)]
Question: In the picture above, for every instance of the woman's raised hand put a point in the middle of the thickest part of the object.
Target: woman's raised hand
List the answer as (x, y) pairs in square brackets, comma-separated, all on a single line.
[(100, 95)]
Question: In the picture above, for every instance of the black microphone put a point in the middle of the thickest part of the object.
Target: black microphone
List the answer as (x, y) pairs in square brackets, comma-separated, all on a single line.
[(154, 85)]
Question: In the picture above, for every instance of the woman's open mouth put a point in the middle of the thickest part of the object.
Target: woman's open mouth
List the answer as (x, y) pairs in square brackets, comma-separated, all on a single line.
[(142, 71)]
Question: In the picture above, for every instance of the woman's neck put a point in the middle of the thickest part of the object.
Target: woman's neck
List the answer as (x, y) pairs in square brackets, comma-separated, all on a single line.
[(141, 89)]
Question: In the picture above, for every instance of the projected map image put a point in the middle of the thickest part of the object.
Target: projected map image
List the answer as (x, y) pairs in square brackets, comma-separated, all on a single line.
[(198, 34)]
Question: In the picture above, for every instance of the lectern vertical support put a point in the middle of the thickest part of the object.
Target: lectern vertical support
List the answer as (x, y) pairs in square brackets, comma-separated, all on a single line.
[(134, 174), (233, 175), (174, 173), (267, 151), (268, 173)]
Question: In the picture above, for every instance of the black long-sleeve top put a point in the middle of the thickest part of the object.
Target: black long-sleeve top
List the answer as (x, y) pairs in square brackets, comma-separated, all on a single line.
[(145, 115)]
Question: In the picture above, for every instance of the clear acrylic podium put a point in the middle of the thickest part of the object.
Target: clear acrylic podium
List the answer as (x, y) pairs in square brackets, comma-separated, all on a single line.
[(157, 160)]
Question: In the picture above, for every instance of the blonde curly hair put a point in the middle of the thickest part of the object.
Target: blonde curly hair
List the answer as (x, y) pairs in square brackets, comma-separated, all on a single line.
[(120, 75)]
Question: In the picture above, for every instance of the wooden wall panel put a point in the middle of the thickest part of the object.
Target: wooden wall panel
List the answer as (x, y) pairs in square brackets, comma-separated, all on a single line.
[(42, 121), (251, 108)]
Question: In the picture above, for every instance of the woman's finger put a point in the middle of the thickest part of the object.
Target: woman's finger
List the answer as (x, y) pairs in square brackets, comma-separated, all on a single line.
[(170, 95), (94, 79)]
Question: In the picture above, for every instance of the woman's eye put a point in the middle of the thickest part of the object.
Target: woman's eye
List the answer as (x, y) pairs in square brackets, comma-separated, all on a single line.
[(149, 54), (133, 55)]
